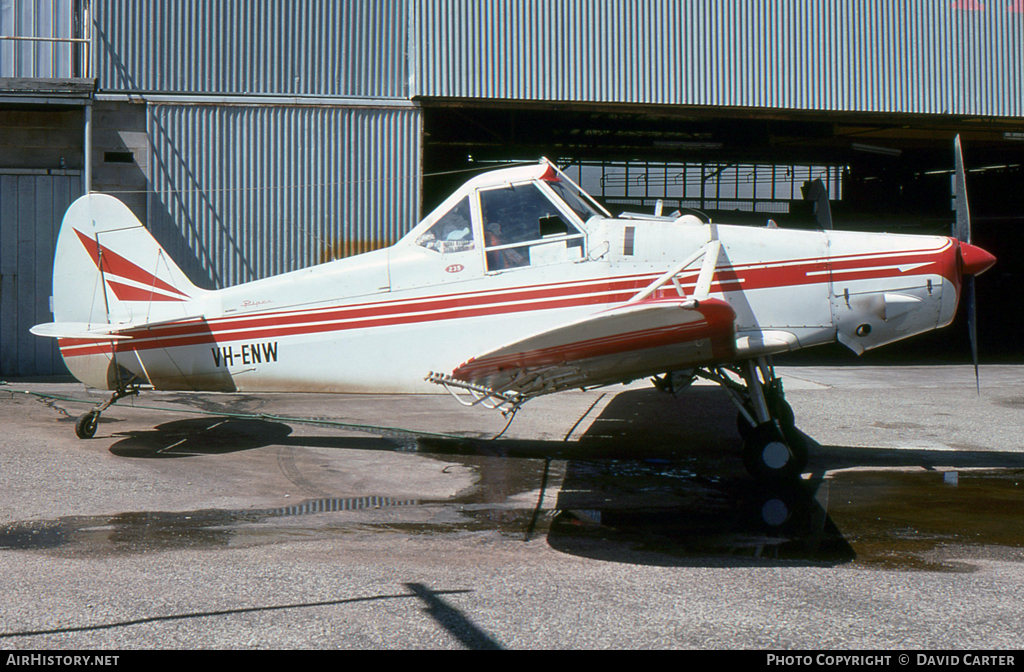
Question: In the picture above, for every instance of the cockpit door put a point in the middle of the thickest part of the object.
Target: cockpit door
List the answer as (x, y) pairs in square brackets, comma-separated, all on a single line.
[(523, 227)]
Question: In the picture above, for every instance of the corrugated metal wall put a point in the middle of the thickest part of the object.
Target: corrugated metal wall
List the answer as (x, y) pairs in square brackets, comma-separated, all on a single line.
[(266, 184), (249, 192), (37, 18), (913, 56), (247, 47), (32, 205)]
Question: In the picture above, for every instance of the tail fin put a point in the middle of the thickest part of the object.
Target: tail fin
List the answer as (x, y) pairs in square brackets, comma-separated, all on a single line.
[(110, 276), (108, 269)]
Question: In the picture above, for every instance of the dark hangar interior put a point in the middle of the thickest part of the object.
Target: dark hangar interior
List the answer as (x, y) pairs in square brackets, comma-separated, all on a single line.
[(893, 174)]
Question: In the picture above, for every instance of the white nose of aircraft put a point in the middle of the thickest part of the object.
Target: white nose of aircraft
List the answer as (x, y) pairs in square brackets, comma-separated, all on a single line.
[(873, 312)]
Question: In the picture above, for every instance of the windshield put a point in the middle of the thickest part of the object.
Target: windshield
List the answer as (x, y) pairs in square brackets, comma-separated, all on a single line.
[(521, 213), (575, 201)]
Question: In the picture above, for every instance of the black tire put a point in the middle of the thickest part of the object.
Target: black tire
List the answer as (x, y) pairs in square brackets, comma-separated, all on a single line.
[(85, 426), (769, 456), (779, 410), (742, 425), (798, 447)]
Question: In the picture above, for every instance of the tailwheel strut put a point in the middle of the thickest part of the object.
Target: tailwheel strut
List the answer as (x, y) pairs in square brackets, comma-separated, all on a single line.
[(85, 426), (773, 448)]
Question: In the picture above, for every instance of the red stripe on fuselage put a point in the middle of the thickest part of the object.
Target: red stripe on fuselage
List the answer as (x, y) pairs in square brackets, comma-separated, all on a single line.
[(602, 291)]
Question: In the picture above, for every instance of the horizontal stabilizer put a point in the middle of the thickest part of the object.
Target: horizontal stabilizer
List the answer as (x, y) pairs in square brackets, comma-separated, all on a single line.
[(82, 330), (102, 332)]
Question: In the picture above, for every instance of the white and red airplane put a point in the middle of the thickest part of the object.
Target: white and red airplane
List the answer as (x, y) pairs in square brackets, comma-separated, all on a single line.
[(518, 285)]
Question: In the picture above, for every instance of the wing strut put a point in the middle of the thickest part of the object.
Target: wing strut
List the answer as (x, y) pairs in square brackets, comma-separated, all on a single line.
[(710, 254)]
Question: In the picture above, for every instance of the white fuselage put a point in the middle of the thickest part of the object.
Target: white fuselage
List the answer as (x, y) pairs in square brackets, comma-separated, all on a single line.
[(381, 321)]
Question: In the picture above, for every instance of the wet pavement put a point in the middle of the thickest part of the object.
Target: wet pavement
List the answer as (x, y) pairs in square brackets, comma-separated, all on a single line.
[(609, 518), (610, 510)]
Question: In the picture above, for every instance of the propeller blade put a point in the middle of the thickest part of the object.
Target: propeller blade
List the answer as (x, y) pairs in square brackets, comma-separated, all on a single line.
[(972, 325), (817, 192), (963, 213), (973, 262)]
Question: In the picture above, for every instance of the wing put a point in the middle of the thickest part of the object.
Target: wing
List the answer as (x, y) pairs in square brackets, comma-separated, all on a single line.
[(618, 345)]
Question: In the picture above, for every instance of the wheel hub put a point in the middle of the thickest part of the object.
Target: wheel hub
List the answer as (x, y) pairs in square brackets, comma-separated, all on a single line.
[(775, 455)]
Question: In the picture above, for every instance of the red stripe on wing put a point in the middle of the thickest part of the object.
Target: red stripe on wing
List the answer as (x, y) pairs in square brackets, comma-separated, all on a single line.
[(716, 324)]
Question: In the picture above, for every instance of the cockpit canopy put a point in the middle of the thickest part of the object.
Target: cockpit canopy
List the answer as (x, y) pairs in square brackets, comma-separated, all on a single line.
[(526, 216)]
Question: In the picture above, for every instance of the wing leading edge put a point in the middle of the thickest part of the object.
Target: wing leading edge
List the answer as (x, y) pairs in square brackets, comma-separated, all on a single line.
[(643, 337), (618, 345)]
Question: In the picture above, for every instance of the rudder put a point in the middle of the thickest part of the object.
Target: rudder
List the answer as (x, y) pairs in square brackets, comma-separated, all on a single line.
[(109, 273), (108, 269)]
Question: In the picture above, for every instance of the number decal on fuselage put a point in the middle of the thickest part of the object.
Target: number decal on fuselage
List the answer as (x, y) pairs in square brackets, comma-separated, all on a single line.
[(248, 353)]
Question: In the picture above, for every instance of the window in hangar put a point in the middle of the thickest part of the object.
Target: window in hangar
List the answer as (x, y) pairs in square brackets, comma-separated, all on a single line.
[(747, 187)]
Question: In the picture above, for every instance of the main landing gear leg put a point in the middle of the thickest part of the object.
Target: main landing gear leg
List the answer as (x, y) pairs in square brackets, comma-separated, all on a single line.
[(85, 426), (773, 448)]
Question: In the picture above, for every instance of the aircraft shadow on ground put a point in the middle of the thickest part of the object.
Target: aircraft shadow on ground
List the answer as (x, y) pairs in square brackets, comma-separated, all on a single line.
[(655, 479)]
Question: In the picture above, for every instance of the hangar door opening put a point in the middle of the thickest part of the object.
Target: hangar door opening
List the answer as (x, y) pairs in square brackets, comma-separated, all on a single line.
[(888, 175)]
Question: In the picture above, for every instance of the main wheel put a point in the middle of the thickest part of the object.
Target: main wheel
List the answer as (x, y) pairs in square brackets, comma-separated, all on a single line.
[(769, 455), (779, 409), (85, 427)]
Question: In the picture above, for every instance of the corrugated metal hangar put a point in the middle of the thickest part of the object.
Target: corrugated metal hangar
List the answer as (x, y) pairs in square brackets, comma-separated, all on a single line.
[(259, 137)]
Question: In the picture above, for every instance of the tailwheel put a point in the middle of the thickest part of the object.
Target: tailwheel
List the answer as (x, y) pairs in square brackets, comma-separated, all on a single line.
[(85, 426)]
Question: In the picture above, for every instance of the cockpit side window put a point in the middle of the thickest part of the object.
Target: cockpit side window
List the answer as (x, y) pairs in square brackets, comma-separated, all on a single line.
[(452, 233), (522, 227), (523, 213)]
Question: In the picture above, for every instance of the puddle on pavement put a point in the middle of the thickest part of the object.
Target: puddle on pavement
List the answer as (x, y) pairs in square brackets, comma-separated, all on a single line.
[(908, 520), (646, 512), (930, 520)]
